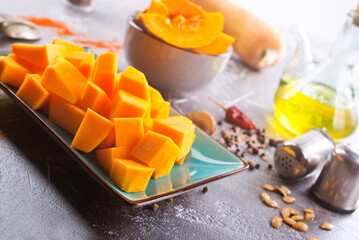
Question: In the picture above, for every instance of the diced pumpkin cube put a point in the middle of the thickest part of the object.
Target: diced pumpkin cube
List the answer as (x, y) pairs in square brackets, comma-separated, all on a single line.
[(32, 67), (92, 131), (38, 55), (107, 156), (83, 61), (154, 93), (180, 160), (134, 82), (128, 105), (32, 92), (95, 98), (109, 141), (159, 108), (147, 123), (157, 151), (64, 80), (181, 133), (65, 115), (129, 175), (104, 73), (129, 131), (11, 72), (68, 47)]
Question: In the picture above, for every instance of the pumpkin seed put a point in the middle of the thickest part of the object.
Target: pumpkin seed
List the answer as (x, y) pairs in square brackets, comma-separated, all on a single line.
[(309, 216), (301, 226), (285, 212), (286, 190), (289, 199), (293, 211), (326, 226), (265, 196), (307, 210), (297, 217), (276, 222), (281, 191), (271, 203), (268, 187), (289, 221)]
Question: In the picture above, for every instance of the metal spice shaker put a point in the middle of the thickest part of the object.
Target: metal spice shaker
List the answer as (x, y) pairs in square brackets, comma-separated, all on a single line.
[(302, 155), (337, 187)]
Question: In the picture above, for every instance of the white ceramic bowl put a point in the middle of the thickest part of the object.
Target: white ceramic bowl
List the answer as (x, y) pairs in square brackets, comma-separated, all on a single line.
[(169, 68)]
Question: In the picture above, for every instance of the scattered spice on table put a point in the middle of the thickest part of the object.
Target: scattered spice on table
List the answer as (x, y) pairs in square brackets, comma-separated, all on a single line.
[(63, 30)]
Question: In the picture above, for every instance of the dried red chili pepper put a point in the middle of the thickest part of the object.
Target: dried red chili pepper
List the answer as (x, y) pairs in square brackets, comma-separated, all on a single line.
[(236, 116)]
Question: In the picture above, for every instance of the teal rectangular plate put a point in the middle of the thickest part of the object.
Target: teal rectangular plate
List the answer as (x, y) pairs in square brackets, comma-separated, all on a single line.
[(207, 161)]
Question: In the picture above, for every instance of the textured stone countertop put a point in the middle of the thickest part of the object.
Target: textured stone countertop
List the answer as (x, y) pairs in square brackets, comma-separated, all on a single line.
[(44, 194)]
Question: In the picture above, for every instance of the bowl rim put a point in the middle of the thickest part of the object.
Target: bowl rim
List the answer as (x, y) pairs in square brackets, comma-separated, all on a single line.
[(132, 23)]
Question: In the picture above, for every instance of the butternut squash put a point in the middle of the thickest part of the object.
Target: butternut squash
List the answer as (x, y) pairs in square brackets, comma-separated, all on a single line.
[(32, 92), (68, 47), (157, 151), (64, 80), (128, 131), (95, 98), (181, 133), (11, 72), (65, 115), (83, 61), (107, 156), (257, 43), (92, 131), (130, 176), (127, 105), (38, 55), (104, 73)]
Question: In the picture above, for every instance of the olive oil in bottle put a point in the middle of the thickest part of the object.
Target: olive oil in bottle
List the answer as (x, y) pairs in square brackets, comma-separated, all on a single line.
[(314, 106)]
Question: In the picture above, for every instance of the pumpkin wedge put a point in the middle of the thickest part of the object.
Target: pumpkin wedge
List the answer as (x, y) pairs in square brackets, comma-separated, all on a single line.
[(157, 7), (182, 7), (194, 32), (218, 46)]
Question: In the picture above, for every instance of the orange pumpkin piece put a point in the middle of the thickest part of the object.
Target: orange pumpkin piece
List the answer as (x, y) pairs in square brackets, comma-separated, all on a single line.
[(11, 72), (68, 47), (107, 156), (83, 61), (130, 176), (33, 68), (38, 55), (109, 141), (65, 115), (159, 108), (64, 80), (181, 133), (134, 82), (157, 151), (154, 93), (128, 131), (218, 46), (104, 73), (194, 32), (128, 105), (183, 7), (32, 92), (157, 7), (92, 131), (95, 98), (179, 161)]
